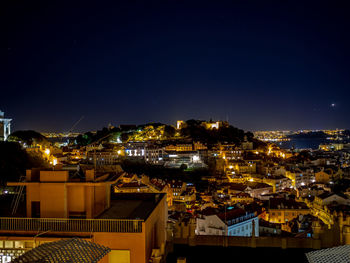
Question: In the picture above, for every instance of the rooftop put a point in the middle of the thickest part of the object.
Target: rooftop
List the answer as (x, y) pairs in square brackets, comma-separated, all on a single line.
[(132, 206), (282, 203)]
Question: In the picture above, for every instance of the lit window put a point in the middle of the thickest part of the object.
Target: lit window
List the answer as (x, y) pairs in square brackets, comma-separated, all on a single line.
[(8, 244)]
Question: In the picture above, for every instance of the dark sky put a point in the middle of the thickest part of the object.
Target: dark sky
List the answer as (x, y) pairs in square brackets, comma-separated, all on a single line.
[(260, 64)]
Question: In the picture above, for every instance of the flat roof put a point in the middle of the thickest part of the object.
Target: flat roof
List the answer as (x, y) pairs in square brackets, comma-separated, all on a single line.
[(132, 205)]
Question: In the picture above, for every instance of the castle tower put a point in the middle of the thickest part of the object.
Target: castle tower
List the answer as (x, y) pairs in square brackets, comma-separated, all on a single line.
[(5, 127)]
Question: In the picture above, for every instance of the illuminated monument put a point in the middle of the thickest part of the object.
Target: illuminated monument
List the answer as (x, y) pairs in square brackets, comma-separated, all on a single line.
[(5, 127)]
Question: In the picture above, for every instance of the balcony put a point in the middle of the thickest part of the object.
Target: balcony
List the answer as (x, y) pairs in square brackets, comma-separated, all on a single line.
[(71, 225)]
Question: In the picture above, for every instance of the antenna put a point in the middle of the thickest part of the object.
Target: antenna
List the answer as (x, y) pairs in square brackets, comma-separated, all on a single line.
[(75, 124)]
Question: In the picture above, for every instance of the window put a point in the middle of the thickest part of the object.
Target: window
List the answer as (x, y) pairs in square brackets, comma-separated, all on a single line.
[(8, 244), (19, 244)]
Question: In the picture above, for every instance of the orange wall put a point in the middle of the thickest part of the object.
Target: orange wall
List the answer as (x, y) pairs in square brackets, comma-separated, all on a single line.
[(53, 200), (156, 227), (100, 199), (53, 176), (33, 194), (135, 242), (58, 199), (76, 198), (140, 245), (89, 202)]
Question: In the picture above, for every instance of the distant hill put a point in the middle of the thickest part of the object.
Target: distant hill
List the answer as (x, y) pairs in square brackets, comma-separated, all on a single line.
[(28, 137), (193, 130)]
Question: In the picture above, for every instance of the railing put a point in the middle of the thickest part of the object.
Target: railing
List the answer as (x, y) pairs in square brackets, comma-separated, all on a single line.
[(71, 225)]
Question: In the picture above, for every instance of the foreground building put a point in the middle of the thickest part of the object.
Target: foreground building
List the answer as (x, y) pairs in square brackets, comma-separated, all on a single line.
[(62, 205), (5, 126)]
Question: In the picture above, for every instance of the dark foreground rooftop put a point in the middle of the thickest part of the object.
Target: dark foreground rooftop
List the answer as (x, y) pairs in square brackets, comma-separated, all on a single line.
[(132, 206), (65, 250), (237, 254)]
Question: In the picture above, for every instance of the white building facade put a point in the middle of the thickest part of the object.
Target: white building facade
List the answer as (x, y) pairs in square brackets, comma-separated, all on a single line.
[(238, 226), (5, 126)]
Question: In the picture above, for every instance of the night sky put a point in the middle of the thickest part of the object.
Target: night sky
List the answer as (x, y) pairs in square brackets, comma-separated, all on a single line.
[(261, 65)]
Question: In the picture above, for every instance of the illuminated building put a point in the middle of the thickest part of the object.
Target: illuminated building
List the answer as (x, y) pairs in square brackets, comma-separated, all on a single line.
[(150, 153), (283, 210), (248, 167), (154, 154), (5, 127), (324, 207), (332, 147), (180, 124), (300, 177), (257, 190), (190, 159), (230, 152), (246, 145), (102, 157), (177, 187), (59, 204), (132, 187), (323, 177), (328, 198), (199, 146), (186, 147), (211, 125), (236, 222), (207, 124), (180, 147), (241, 198)]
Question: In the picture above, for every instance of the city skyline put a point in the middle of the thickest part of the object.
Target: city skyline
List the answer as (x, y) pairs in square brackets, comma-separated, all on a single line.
[(267, 66)]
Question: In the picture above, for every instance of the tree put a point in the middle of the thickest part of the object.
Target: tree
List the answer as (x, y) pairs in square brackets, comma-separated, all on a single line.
[(169, 131), (84, 139), (124, 137), (28, 137), (14, 161)]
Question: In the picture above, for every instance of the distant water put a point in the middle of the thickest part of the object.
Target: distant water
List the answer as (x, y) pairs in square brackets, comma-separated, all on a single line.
[(303, 143)]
